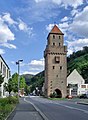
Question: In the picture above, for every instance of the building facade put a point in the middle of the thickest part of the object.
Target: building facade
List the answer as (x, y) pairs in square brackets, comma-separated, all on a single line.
[(5, 71), (55, 56), (76, 84)]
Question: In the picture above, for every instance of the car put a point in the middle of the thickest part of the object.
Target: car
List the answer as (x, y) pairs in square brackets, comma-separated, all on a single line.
[(69, 96), (83, 96)]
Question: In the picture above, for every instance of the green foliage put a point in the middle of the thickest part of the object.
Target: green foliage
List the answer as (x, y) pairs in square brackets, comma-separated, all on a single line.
[(27, 89), (78, 54), (28, 78), (84, 71), (1, 79), (9, 86), (79, 61), (15, 82), (53, 95), (6, 106), (37, 81), (22, 82), (8, 100)]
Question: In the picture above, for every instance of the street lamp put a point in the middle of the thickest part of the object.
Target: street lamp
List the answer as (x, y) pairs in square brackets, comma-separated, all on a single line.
[(18, 63)]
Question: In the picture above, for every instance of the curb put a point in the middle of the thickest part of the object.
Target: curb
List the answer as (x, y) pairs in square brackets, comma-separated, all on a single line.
[(38, 110), (83, 103), (10, 113)]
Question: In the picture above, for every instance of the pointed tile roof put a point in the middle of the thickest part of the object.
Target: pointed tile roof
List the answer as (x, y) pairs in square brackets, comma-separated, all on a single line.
[(55, 29), (75, 78)]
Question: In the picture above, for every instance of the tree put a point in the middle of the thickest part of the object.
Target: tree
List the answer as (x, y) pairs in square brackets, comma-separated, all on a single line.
[(84, 72), (27, 89), (15, 82), (1, 79), (8, 86), (22, 82)]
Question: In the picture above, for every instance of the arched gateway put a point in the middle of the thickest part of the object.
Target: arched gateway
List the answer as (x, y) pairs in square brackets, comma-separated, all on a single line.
[(58, 93)]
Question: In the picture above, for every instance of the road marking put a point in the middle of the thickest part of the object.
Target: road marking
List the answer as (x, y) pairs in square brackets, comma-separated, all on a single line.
[(85, 111), (73, 108), (37, 109)]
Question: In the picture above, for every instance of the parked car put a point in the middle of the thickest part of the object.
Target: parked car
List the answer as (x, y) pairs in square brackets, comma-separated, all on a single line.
[(69, 96), (83, 96)]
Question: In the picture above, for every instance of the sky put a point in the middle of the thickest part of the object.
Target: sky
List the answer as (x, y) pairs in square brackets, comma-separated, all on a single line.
[(25, 25)]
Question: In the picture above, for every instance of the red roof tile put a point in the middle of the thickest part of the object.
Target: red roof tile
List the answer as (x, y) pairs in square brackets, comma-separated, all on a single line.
[(55, 29)]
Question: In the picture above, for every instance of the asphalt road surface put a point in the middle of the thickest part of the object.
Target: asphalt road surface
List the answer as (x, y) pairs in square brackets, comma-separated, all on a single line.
[(60, 110)]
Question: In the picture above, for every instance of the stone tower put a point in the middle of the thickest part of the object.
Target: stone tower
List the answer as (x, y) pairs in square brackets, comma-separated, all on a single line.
[(55, 56)]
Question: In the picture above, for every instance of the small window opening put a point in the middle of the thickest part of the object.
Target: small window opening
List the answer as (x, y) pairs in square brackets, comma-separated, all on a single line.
[(53, 36), (50, 87), (60, 67), (53, 67), (56, 75), (57, 59), (53, 44)]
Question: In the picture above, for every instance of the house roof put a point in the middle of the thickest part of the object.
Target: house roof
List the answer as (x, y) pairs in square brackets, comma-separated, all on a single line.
[(4, 61), (55, 29), (75, 77)]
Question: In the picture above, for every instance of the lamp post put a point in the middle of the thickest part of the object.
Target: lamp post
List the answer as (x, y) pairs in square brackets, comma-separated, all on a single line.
[(18, 63)]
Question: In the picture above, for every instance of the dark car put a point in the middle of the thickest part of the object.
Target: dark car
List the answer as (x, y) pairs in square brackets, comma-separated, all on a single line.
[(84, 96)]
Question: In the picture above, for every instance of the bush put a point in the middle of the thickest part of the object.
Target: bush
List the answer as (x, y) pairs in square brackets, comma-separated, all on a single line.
[(53, 95), (6, 106), (8, 100), (12, 100)]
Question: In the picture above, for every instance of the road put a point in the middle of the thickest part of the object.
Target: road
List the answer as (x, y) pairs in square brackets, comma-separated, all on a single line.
[(60, 110)]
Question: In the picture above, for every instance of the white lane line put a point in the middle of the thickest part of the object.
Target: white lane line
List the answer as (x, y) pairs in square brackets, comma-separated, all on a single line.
[(74, 108), (45, 118)]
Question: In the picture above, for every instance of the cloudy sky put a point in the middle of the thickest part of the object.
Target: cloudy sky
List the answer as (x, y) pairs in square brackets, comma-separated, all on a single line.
[(25, 24)]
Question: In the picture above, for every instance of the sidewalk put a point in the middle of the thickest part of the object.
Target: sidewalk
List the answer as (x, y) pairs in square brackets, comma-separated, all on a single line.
[(25, 111)]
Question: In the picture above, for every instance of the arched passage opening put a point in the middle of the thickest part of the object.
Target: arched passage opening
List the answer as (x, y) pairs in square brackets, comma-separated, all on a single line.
[(58, 93)]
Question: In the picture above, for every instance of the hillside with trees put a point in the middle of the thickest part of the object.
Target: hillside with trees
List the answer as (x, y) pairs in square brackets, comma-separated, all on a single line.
[(27, 78), (37, 81), (79, 61)]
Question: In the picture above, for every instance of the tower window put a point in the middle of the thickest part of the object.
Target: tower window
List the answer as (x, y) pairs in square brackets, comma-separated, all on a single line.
[(60, 67), (61, 81), (59, 44), (53, 67), (56, 75), (53, 36), (53, 44), (50, 87), (57, 59), (59, 37)]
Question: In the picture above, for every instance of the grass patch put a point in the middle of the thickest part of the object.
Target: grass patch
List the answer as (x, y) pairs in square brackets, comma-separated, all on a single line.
[(6, 106)]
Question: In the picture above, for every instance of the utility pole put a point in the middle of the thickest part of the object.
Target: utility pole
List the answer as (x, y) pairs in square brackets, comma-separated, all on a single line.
[(18, 63)]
